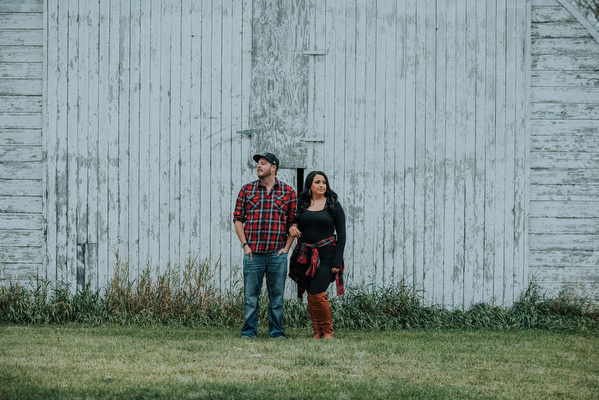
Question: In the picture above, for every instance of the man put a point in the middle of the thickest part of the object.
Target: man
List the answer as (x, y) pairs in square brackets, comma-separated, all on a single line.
[(263, 214)]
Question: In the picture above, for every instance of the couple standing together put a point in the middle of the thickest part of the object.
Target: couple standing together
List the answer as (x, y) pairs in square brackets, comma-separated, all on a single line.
[(268, 217)]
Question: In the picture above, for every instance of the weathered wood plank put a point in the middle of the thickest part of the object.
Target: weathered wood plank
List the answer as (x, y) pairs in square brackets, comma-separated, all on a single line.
[(565, 78), (501, 236), (539, 3), (460, 156), (572, 277), (564, 127), (223, 150), (20, 255), (216, 123), (124, 120), (565, 62), (21, 54), (409, 242), (440, 270), (577, 95), (522, 83), (375, 146), (585, 176), (543, 241), (206, 115), (349, 172), (82, 162), (50, 142), (559, 30), (513, 47), (134, 161), (109, 146), (419, 133), (20, 121), (566, 259), (21, 37), (144, 189), (10, 221), (559, 160), (91, 154), (21, 170), (565, 226), (557, 209), (24, 104), (22, 238), (20, 153), (562, 143), (76, 276), (564, 192), (488, 155), (20, 204), (20, 187), (559, 46), (18, 20), (21, 70), (550, 14), (106, 127), (566, 111), (23, 273), (21, 6), (195, 133)]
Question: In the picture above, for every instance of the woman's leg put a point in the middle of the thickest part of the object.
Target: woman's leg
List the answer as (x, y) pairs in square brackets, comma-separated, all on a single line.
[(318, 301)]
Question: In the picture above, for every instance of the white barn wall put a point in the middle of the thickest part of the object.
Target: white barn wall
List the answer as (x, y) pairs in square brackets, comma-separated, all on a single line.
[(564, 125), (21, 71), (424, 128), (146, 99), (416, 110)]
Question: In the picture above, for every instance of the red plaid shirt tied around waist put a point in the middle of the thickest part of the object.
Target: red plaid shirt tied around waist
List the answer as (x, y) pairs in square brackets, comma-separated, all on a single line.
[(301, 258)]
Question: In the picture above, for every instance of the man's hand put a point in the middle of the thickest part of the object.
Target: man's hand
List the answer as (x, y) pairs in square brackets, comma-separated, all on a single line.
[(248, 250), (283, 251)]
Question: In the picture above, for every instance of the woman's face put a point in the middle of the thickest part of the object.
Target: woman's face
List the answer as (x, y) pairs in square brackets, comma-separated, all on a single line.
[(319, 185)]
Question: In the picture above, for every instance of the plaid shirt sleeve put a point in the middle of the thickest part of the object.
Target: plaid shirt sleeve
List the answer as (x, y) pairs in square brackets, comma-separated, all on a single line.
[(239, 212), (292, 209)]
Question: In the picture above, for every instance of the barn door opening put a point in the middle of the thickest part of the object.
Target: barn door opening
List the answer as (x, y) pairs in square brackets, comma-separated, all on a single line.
[(279, 96)]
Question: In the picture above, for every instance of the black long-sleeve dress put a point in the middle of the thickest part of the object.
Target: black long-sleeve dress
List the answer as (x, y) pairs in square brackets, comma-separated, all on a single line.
[(316, 226)]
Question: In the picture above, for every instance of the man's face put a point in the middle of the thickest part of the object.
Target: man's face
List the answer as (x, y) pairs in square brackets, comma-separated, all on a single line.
[(265, 168)]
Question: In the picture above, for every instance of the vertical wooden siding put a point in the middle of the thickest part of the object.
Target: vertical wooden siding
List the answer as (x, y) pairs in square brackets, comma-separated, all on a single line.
[(21, 57), (144, 102), (419, 107), (423, 109), (564, 211)]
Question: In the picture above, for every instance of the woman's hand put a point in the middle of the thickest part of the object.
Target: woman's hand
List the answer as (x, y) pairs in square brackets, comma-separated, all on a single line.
[(293, 231), (335, 270)]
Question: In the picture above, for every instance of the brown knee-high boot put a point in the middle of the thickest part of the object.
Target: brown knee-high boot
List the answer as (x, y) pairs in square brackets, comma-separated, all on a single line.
[(320, 315), (313, 309), (326, 324)]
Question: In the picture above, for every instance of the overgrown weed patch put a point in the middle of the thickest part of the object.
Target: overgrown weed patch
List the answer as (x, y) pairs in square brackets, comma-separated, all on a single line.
[(187, 296)]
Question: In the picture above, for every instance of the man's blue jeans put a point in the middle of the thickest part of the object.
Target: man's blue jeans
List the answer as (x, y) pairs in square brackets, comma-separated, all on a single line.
[(275, 268)]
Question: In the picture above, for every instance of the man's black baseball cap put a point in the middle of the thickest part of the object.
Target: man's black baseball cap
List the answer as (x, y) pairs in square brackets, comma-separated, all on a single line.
[(269, 156)]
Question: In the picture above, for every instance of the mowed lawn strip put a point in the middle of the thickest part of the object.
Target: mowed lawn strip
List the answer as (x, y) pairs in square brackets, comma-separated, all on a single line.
[(74, 361)]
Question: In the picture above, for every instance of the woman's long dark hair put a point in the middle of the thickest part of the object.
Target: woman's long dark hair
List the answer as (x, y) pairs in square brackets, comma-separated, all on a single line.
[(305, 197)]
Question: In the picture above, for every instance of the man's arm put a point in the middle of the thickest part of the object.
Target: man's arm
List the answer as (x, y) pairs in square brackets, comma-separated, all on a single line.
[(242, 238), (288, 244)]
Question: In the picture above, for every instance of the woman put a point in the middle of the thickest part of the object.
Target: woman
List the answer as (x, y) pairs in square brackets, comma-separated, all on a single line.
[(318, 256)]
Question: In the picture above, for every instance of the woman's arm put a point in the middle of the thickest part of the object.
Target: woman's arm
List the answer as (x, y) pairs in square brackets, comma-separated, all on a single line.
[(339, 221)]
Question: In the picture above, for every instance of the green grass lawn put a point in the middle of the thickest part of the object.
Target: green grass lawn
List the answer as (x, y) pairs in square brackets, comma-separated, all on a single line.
[(73, 361)]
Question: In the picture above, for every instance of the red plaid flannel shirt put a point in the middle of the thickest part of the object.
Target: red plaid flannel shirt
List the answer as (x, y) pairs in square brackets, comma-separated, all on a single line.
[(265, 216)]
